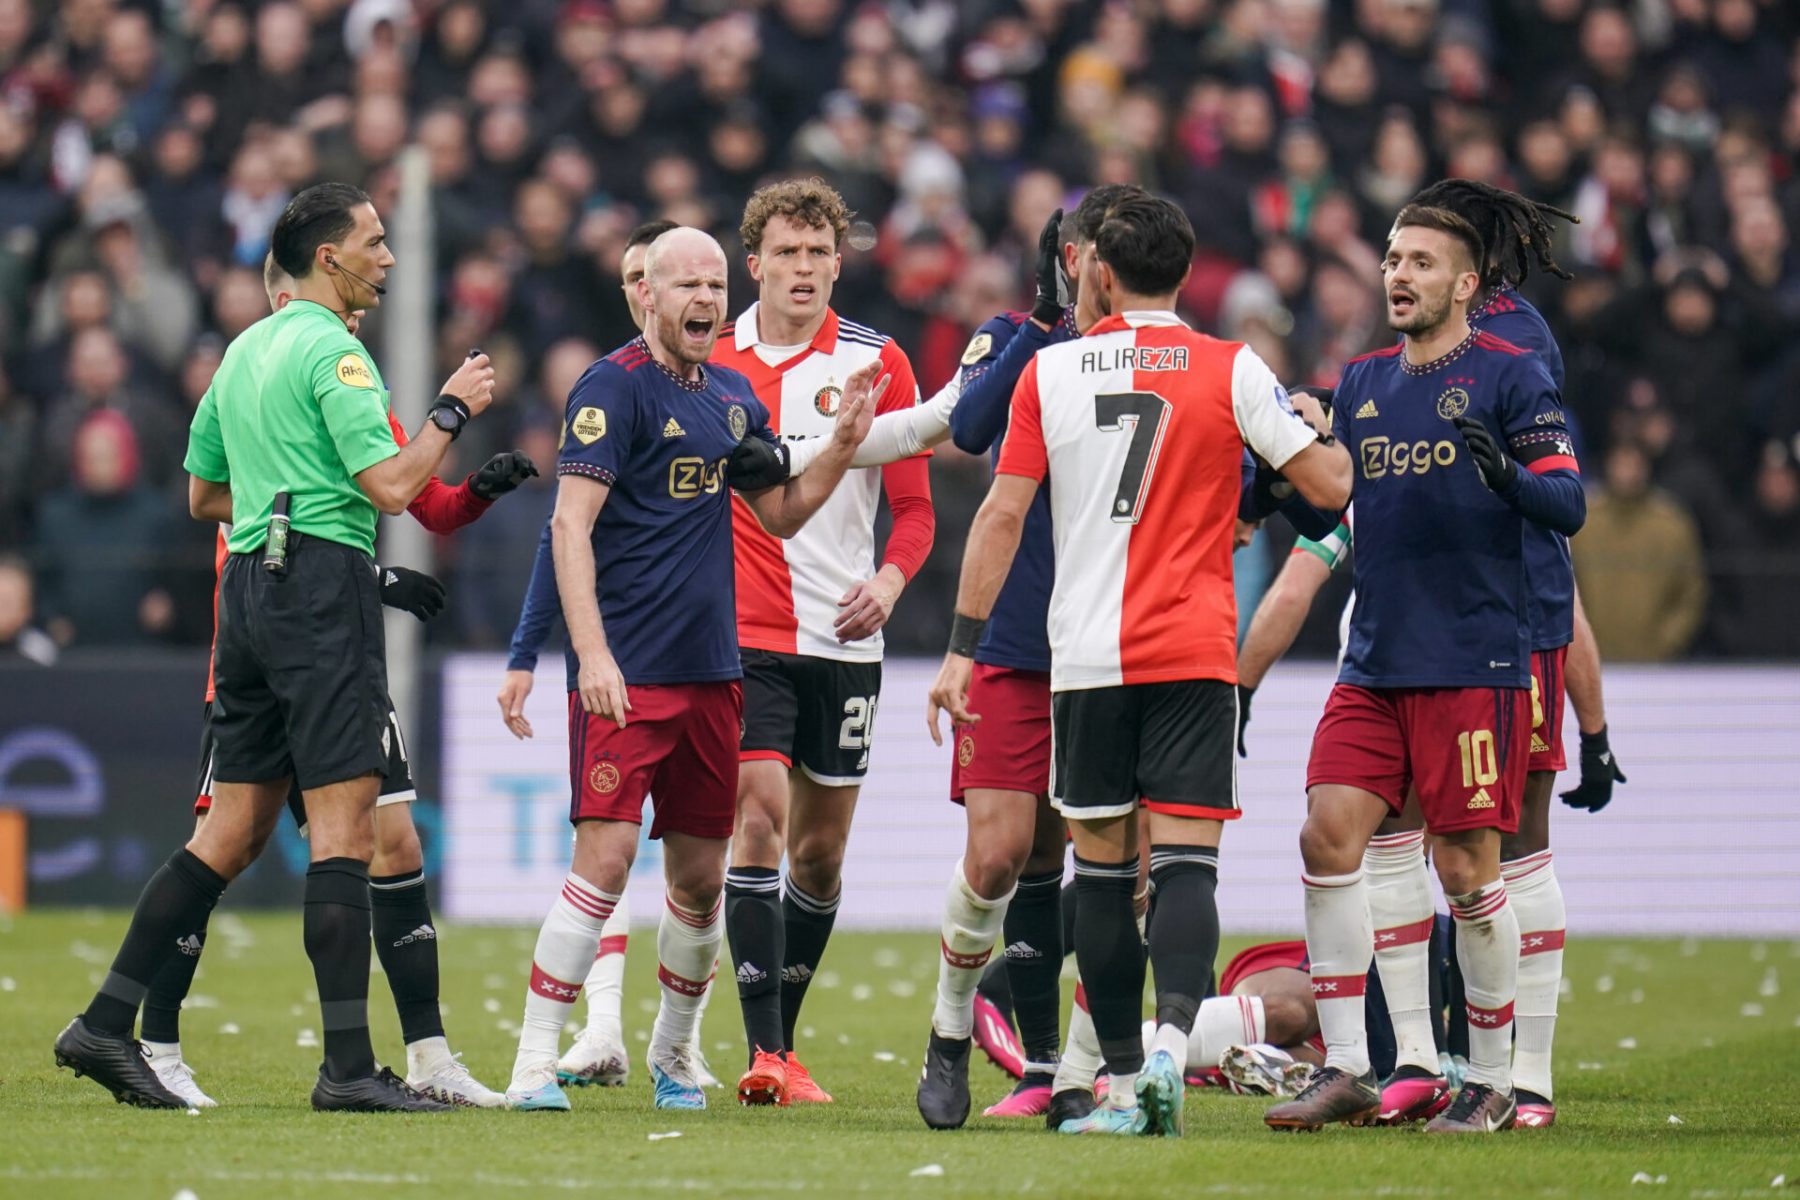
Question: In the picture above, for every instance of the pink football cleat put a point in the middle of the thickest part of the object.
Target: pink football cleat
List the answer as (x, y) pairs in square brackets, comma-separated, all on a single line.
[(994, 1034), (1411, 1094), (1535, 1112), (1028, 1099)]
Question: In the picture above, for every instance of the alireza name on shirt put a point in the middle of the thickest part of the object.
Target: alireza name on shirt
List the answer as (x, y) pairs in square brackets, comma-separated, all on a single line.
[(1135, 358)]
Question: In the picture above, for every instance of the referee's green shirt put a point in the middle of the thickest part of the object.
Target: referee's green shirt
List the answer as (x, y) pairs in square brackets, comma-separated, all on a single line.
[(297, 406)]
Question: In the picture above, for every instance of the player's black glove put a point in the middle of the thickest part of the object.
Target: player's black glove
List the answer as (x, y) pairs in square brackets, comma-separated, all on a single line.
[(1599, 771), (502, 473), (411, 591), (1498, 470), (756, 465), (1052, 284), (1244, 694)]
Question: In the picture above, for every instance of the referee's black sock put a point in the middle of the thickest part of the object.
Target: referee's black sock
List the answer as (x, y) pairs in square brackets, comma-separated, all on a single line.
[(754, 928), (808, 921), (1184, 929), (1034, 954), (174, 906), (337, 941), (406, 943), (1111, 959), (174, 979)]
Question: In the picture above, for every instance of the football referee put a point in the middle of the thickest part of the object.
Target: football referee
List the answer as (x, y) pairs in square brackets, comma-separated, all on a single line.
[(294, 430)]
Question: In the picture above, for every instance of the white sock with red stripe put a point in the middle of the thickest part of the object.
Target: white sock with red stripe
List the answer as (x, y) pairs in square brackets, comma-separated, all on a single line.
[(1340, 941), (1487, 939), (1537, 898), (606, 978), (687, 951), (1081, 1061), (966, 942), (1400, 908), (1224, 1022), (565, 951)]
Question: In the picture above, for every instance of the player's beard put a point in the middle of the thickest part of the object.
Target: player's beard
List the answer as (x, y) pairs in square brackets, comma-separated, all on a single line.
[(671, 331), (1426, 316)]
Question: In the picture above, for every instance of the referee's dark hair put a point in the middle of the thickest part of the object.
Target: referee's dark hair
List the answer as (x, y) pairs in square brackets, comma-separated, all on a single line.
[(648, 232), (316, 216), (1082, 224), (1515, 229), (1148, 243)]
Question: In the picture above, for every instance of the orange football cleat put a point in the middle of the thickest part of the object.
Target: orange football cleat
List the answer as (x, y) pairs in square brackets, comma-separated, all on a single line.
[(768, 1081), (801, 1088)]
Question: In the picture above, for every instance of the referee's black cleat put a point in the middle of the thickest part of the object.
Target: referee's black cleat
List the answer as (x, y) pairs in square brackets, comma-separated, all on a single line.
[(116, 1063), (1070, 1104), (383, 1091), (944, 1082)]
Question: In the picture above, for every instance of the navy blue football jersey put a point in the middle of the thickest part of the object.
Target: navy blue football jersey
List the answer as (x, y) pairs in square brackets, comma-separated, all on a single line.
[(1441, 587), (1551, 600), (662, 542)]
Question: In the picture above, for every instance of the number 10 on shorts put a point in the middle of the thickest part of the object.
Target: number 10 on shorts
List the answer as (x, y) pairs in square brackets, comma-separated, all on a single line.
[(1480, 764)]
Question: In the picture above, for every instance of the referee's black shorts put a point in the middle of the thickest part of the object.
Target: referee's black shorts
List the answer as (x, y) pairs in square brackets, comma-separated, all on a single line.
[(300, 668)]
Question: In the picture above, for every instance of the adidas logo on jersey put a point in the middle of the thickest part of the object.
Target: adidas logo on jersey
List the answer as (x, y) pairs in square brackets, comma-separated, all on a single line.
[(1539, 745), (1023, 950), (189, 945), (749, 972), (423, 933), (1368, 409), (798, 973), (1481, 799), (673, 429)]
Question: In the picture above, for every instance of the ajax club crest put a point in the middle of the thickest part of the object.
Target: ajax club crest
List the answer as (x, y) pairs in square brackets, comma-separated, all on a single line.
[(1453, 403), (604, 778), (737, 420)]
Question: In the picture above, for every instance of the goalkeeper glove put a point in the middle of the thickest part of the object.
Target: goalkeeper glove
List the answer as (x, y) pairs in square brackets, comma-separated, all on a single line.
[(1599, 771), (412, 591), (501, 474)]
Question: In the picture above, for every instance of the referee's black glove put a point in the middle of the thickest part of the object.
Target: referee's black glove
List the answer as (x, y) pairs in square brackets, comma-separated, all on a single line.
[(501, 474), (756, 465), (412, 591), (1052, 285), (1599, 771), (1244, 694), (1497, 468)]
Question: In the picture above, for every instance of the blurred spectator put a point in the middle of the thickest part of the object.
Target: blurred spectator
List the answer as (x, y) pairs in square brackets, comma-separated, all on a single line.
[(1638, 563), (18, 441), (97, 543), (97, 381), (495, 554), (1764, 555), (19, 638)]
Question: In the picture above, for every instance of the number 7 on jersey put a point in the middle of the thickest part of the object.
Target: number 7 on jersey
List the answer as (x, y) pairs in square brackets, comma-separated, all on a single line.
[(1147, 414)]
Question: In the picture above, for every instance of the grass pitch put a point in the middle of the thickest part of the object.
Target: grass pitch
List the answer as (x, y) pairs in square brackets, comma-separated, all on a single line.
[(1679, 1069)]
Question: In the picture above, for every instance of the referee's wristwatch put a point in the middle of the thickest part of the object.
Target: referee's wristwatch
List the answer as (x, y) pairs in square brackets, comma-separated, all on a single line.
[(450, 415)]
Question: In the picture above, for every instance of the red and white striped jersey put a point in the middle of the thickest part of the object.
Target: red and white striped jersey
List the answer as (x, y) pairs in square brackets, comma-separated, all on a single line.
[(1140, 427), (788, 589)]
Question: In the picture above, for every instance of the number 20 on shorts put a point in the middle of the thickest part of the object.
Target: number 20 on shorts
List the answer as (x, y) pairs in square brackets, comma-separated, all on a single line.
[(1480, 763)]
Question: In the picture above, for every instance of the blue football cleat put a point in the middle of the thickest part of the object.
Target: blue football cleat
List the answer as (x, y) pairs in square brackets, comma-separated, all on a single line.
[(546, 1097), (1106, 1119), (1160, 1090), (673, 1091)]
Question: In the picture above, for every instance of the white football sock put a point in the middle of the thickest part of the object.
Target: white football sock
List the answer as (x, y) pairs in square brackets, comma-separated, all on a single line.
[(606, 978), (1537, 900), (966, 942), (1487, 940), (1224, 1022), (1340, 942), (1399, 888), (565, 950), (1081, 1059), (687, 950), (1172, 1039)]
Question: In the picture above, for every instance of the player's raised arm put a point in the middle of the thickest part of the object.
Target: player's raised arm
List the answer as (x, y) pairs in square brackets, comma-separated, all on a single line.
[(783, 510)]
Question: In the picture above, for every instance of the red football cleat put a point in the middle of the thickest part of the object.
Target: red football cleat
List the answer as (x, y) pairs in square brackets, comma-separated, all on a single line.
[(994, 1034)]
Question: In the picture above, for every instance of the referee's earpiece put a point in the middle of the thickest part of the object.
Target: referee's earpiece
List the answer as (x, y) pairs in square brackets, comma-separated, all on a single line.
[(379, 290)]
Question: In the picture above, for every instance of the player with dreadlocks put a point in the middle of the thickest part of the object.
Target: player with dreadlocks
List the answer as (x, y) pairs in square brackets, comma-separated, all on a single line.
[(1517, 234)]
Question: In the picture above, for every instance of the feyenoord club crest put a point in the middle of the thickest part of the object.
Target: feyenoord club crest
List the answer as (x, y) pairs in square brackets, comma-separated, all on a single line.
[(825, 401), (735, 418), (1453, 403), (604, 778)]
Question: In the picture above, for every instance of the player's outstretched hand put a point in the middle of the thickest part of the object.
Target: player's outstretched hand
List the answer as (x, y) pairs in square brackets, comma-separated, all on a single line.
[(1497, 468), (1244, 695), (515, 686), (950, 694), (1052, 283), (472, 383), (412, 591), (856, 410), (756, 465), (1599, 771), (502, 473), (865, 608), (602, 688), (1313, 410)]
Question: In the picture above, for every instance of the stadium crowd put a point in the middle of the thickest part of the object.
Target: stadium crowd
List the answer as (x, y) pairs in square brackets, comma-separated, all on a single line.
[(146, 151)]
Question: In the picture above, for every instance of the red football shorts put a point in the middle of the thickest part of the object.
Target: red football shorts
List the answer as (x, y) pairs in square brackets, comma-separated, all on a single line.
[(679, 748), (1464, 749), (1266, 956), (1009, 748), (1547, 694)]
